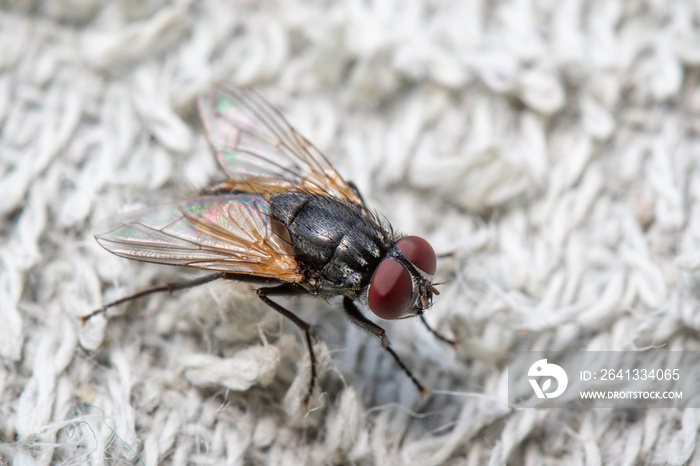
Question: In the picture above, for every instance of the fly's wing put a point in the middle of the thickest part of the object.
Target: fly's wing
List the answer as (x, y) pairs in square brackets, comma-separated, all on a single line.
[(257, 147), (225, 233)]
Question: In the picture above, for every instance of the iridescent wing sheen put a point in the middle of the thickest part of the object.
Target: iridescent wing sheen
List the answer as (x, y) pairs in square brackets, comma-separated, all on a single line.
[(226, 233), (255, 145)]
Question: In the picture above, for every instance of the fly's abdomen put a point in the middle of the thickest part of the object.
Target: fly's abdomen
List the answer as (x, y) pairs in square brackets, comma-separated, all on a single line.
[(336, 239)]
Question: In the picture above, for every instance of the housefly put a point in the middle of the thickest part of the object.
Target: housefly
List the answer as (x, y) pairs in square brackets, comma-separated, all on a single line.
[(285, 220)]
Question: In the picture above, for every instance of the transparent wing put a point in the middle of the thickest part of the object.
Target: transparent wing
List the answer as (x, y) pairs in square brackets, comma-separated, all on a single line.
[(226, 233), (254, 141)]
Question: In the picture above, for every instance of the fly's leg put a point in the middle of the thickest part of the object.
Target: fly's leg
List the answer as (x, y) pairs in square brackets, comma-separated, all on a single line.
[(367, 325), (169, 287), (437, 334), (357, 318), (263, 294)]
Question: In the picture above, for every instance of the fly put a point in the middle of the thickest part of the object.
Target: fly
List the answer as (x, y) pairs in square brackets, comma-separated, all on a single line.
[(286, 220)]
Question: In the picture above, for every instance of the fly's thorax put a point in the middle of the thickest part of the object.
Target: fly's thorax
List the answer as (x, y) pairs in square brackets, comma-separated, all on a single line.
[(341, 242)]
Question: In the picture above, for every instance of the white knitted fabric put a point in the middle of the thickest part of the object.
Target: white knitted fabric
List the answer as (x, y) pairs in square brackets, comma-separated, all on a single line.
[(552, 145)]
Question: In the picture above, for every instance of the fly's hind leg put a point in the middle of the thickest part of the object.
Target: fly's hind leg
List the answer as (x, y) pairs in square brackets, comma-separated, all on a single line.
[(281, 290), (367, 325), (169, 287)]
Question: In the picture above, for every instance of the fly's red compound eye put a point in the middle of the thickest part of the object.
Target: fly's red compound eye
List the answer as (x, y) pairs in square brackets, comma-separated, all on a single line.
[(391, 287), (390, 290), (419, 252)]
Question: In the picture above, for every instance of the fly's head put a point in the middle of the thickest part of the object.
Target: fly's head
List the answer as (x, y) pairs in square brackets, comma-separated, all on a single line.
[(402, 285)]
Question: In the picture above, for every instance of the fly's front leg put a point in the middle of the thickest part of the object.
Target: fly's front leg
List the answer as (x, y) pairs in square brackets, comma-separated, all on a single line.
[(263, 294), (367, 325), (437, 334)]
